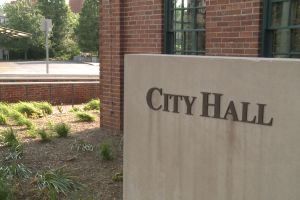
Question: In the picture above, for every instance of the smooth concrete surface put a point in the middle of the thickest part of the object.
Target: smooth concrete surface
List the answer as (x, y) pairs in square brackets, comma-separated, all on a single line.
[(55, 67), (174, 156)]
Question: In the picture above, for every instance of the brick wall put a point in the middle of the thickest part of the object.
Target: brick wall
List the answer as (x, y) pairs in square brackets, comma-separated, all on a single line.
[(56, 93), (233, 27), (127, 26)]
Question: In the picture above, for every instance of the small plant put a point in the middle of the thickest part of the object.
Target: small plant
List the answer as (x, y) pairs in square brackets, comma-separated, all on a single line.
[(117, 177), (20, 119), (60, 109), (93, 104), (43, 135), (44, 107), (85, 117), (28, 109), (9, 138), (62, 129), (55, 181), (15, 153), (3, 119), (15, 170), (5, 188), (4, 108), (75, 109), (80, 145), (105, 151)]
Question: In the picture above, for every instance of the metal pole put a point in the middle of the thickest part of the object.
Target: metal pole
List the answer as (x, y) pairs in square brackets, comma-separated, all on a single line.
[(47, 50)]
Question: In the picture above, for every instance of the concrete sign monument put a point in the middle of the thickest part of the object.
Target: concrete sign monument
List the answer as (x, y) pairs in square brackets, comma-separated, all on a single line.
[(211, 128)]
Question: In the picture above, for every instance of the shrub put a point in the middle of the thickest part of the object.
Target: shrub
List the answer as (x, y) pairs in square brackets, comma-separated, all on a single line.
[(3, 119), (15, 170), (9, 137), (85, 117), (28, 109), (93, 104), (62, 129), (55, 181), (105, 151), (75, 109), (4, 108), (15, 153), (43, 135), (5, 188), (44, 107), (20, 119)]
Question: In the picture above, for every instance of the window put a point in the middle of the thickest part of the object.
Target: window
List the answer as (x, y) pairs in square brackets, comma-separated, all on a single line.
[(282, 29), (185, 27)]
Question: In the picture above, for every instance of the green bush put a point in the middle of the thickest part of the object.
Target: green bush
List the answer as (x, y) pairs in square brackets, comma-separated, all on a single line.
[(105, 151), (28, 109), (15, 170), (5, 188), (9, 138), (62, 129), (44, 107), (93, 104), (75, 109), (43, 135), (3, 119), (4, 108), (55, 181), (85, 117), (20, 119)]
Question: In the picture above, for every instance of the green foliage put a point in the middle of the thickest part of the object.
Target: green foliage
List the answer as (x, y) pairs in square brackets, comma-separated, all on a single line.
[(64, 22), (9, 138), (55, 181), (23, 15), (75, 109), (93, 104), (117, 177), (45, 137), (60, 109), (80, 145), (85, 117), (28, 109), (20, 119), (3, 119), (5, 188), (62, 129), (87, 30), (15, 153), (4, 108), (15, 170), (105, 150), (44, 107)]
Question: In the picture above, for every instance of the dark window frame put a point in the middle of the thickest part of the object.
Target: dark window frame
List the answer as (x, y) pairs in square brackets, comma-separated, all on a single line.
[(169, 39), (268, 29)]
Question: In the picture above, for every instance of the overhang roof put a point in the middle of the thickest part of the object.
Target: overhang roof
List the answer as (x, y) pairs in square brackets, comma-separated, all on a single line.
[(13, 33)]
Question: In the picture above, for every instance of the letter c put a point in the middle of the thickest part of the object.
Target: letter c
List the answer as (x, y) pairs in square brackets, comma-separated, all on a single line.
[(149, 98)]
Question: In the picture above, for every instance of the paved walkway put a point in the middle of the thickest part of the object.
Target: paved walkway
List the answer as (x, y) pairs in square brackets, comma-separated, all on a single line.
[(55, 67)]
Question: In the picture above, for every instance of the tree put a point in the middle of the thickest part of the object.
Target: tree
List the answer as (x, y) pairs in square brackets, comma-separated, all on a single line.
[(23, 16), (88, 27), (64, 21)]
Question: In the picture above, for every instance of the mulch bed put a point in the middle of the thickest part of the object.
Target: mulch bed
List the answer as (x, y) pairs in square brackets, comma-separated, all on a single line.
[(95, 173)]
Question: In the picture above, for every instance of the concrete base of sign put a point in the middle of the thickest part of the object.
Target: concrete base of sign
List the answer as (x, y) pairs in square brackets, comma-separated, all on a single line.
[(173, 153)]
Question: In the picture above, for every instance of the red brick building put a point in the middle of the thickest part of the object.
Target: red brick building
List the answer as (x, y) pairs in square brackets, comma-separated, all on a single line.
[(76, 5), (269, 28)]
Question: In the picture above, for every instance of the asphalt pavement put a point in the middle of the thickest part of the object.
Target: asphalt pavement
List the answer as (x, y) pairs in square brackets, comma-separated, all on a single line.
[(55, 67)]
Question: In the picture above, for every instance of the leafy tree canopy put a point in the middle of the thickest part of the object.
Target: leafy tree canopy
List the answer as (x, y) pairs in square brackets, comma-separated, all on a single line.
[(23, 16), (87, 30)]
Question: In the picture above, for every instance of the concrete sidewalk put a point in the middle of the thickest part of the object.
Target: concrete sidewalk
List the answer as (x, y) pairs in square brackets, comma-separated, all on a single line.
[(55, 67)]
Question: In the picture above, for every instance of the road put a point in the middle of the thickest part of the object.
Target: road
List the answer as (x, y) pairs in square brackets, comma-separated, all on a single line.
[(55, 67)]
